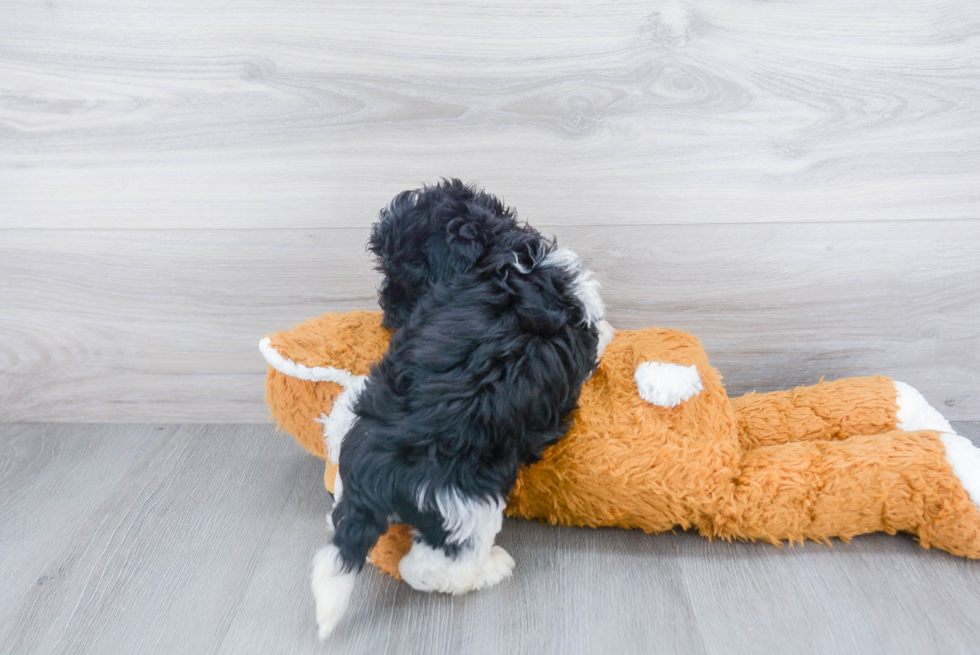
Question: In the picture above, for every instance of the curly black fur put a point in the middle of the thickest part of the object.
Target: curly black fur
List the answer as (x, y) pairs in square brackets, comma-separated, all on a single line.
[(491, 349), (432, 234)]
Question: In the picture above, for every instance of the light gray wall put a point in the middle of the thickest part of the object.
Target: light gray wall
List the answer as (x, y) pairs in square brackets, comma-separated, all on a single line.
[(798, 183)]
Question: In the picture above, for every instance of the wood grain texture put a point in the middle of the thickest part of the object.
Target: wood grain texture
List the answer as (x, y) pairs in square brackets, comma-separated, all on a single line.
[(198, 539), (301, 114), (51, 477), (163, 325), (169, 546)]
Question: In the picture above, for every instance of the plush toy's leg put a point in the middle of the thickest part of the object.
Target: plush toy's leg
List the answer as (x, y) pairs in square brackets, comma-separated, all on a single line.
[(926, 483), (393, 545), (833, 410), (331, 480), (476, 564)]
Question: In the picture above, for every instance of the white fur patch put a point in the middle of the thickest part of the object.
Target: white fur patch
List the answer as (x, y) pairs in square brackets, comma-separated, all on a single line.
[(467, 519), (472, 524), (332, 588), (312, 373), (584, 285), (430, 569), (964, 458), (338, 422), (606, 334), (667, 385), (915, 412)]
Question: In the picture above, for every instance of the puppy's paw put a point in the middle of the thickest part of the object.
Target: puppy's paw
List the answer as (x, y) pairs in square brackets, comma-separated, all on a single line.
[(332, 587), (427, 569), (498, 566)]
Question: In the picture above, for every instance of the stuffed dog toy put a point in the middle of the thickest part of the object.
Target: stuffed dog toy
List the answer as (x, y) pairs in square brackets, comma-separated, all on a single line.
[(656, 443)]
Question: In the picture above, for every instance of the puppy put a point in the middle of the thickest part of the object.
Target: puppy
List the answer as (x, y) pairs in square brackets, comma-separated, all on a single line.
[(497, 331)]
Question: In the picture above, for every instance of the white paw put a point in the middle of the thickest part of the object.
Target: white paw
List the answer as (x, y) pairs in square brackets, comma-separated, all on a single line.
[(915, 412), (497, 567), (429, 569), (964, 459), (332, 587)]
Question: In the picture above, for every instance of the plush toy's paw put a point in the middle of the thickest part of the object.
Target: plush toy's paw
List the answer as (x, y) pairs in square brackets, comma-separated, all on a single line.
[(915, 412), (964, 459), (498, 566)]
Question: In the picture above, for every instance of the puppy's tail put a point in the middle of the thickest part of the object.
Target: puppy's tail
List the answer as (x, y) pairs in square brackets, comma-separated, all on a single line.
[(336, 565)]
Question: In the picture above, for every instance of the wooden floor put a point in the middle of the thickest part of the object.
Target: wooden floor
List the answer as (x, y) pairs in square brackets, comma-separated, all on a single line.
[(198, 539)]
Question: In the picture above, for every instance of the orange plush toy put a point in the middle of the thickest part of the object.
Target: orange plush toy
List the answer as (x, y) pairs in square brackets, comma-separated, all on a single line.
[(656, 443)]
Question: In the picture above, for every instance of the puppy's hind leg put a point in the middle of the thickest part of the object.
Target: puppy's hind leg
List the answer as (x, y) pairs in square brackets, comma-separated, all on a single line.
[(336, 565), (467, 559), (332, 587)]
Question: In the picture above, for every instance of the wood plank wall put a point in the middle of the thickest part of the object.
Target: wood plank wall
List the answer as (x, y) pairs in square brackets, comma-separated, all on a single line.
[(797, 182)]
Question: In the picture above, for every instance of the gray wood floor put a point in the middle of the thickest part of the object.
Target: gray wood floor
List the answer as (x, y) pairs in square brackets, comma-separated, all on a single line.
[(198, 539)]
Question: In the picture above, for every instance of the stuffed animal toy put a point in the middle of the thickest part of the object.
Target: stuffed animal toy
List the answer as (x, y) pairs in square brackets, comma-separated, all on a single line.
[(656, 443)]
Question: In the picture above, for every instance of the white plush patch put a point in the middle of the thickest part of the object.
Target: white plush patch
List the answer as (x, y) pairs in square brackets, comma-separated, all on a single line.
[(332, 588), (667, 385), (964, 458), (584, 285), (473, 525), (312, 373), (338, 422), (915, 412), (606, 334), (338, 488)]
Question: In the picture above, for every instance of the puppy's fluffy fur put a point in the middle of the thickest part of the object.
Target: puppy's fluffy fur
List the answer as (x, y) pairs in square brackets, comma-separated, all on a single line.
[(496, 330), (430, 235)]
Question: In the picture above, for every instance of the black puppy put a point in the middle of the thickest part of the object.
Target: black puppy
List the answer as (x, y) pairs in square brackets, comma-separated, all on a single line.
[(497, 331)]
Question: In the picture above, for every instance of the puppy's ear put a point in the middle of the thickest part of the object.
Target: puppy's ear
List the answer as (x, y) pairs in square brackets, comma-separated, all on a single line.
[(467, 239)]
